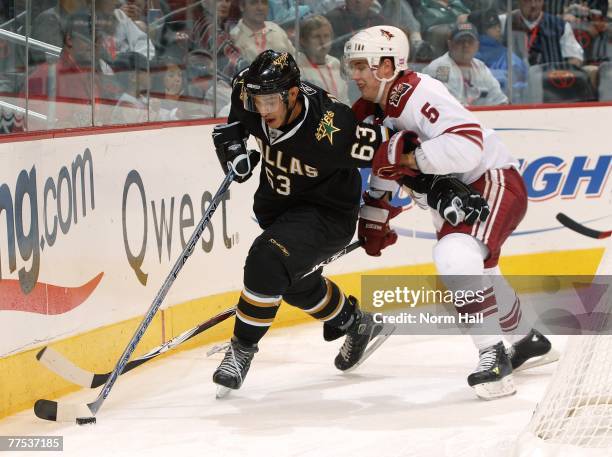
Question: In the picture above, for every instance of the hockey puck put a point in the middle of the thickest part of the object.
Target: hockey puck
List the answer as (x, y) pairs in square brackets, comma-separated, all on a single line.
[(86, 420)]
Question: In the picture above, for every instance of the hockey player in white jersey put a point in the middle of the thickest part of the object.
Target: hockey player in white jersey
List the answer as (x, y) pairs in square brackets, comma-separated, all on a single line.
[(438, 136)]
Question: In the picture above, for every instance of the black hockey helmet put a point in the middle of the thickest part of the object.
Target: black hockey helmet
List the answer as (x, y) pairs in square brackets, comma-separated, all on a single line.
[(270, 73)]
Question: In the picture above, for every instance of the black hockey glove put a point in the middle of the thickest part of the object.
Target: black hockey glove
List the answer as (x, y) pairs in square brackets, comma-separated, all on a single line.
[(457, 202), (232, 152)]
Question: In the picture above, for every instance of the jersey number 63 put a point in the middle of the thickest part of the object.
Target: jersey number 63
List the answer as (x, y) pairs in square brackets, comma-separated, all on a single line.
[(360, 150)]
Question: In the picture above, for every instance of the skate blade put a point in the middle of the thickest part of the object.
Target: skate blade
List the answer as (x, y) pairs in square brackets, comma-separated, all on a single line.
[(550, 357), (222, 392), (384, 334), (497, 389)]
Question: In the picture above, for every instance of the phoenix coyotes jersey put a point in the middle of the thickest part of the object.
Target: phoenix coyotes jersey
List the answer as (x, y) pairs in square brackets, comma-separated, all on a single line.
[(314, 159), (452, 139)]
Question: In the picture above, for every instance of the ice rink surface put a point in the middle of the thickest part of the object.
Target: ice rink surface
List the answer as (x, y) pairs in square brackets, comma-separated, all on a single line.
[(409, 399)]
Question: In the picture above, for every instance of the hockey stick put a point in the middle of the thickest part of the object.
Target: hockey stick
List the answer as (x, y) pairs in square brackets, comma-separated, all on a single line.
[(63, 367), (85, 413), (577, 227), (349, 248), (60, 365)]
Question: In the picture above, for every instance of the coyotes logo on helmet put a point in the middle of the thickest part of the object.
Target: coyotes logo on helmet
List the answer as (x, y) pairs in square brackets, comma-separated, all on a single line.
[(397, 92), (388, 35)]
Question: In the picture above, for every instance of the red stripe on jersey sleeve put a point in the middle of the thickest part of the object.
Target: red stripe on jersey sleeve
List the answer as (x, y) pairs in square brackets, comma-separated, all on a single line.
[(472, 132), (462, 126), (468, 137)]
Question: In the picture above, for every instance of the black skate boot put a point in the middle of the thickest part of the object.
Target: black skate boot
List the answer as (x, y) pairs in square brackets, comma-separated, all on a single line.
[(363, 337), (535, 349), (234, 367), (493, 375)]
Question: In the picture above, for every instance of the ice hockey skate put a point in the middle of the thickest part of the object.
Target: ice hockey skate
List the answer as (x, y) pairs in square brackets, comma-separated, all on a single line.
[(532, 351), (363, 337), (234, 367), (493, 375)]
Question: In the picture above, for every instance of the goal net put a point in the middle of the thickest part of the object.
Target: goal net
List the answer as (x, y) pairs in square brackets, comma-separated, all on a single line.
[(575, 416)]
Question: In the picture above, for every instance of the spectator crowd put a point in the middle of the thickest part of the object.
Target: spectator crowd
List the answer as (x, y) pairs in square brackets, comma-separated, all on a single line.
[(131, 61)]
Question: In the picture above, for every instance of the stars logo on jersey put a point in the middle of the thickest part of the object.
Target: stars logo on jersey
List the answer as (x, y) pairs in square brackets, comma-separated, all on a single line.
[(398, 92), (326, 128), (388, 35)]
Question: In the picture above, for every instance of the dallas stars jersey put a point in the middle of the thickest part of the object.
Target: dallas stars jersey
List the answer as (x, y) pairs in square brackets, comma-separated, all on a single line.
[(314, 159)]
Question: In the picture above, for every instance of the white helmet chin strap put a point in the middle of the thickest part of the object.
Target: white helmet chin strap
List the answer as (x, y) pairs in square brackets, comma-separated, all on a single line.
[(383, 83)]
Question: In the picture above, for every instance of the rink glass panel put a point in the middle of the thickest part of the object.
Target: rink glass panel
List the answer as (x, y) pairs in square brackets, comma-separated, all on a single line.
[(187, 59)]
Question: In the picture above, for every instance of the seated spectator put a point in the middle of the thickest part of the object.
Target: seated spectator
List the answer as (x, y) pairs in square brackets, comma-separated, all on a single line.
[(316, 65), (203, 36), (136, 11), (588, 20), (173, 81), (353, 16), (168, 86), (68, 83), (119, 33), (201, 88), (131, 73), (540, 37), (467, 78), (204, 29), (200, 73), (175, 25), (495, 55), (148, 17), (254, 34), (438, 12), (48, 26)]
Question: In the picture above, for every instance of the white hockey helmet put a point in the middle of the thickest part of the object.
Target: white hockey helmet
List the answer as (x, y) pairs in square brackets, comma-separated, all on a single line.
[(380, 41)]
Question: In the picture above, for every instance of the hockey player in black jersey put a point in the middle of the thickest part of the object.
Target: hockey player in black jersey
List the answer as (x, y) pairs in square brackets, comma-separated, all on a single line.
[(307, 204)]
